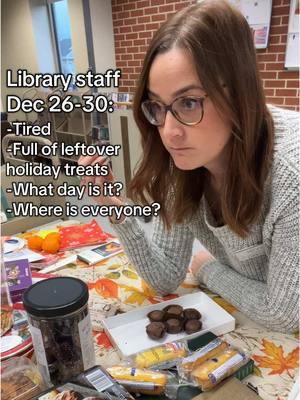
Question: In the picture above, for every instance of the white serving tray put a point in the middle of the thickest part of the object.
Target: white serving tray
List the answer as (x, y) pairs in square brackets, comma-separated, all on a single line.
[(128, 331)]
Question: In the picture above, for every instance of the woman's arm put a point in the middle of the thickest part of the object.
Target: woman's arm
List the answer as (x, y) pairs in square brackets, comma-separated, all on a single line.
[(274, 303), (162, 261)]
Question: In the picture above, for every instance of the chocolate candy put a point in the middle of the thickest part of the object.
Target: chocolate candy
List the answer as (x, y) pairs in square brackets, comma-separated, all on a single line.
[(191, 313), (192, 326), (156, 330), (156, 316), (173, 325), (174, 311), (173, 319)]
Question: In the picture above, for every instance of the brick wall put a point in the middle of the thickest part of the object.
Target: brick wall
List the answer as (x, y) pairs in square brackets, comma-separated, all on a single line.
[(135, 21), (281, 86)]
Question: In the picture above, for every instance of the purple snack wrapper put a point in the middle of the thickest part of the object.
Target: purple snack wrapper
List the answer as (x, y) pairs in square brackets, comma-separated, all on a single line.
[(18, 278)]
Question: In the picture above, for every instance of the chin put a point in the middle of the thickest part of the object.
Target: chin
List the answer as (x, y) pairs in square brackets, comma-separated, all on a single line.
[(186, 165)]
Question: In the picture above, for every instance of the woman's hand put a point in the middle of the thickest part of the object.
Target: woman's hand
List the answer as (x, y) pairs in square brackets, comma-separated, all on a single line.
[(199, 259), (99, 181)]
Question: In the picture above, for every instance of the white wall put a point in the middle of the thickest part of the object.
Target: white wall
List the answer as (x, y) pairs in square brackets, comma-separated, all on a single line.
[(43, 37), (78, 36), (18, 49), (103, 35)]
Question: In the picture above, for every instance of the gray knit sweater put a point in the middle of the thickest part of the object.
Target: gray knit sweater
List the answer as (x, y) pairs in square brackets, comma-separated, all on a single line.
[(257, 274)]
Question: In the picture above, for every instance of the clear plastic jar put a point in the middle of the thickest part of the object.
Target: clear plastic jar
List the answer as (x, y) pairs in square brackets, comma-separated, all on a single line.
[(60, 326)]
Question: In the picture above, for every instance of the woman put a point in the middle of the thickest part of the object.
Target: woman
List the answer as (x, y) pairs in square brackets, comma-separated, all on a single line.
[(223, 166)]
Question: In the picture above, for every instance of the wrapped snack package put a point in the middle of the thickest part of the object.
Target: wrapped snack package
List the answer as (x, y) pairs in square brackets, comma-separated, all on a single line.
[(145, 381), (93, 384), (214, 370), (160, 357), (20, 379), (187, 364)]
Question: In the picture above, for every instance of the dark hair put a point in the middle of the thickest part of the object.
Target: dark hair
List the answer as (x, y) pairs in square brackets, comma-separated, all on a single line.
[(221, 43)]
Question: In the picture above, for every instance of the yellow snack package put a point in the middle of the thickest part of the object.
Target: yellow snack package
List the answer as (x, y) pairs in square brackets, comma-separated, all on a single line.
[(214, 370), (198, 357), (137, 380), (162, 357)]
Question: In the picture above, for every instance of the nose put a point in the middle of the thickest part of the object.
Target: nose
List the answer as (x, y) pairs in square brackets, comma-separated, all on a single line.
[(172, 128)]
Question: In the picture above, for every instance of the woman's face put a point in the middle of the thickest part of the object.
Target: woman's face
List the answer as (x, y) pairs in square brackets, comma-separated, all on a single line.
[(173, 75)]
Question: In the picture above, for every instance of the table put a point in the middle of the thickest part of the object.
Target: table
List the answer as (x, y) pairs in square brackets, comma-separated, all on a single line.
[(276, 355)]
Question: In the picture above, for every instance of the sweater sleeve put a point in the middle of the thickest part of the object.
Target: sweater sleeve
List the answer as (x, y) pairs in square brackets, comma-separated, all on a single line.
[(162, 261), (274, 303)]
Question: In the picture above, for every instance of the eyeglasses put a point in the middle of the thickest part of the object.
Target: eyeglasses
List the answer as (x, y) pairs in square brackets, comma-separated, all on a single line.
[(188, 110)]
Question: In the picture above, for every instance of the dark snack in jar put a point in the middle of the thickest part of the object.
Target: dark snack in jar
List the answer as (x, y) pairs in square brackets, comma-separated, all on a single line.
[(156, 316), (156, 330), (191, 313), (174, 325), (192, 326), (174, 311)]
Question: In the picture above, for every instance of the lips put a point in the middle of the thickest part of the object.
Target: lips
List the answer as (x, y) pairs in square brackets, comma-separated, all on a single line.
[(179, 149)]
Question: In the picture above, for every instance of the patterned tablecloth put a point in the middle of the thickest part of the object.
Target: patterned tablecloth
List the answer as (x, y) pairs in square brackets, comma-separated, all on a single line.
[(115, 280)]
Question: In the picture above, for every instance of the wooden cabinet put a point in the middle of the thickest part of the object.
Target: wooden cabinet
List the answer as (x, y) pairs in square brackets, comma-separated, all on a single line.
[(124, 131)]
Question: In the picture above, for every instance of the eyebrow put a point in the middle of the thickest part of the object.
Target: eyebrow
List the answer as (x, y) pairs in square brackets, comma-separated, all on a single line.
[(180, 91)]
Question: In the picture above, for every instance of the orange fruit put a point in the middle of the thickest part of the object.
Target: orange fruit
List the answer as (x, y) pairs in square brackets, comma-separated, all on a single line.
[(35, 242), (54, 235), (51, 244)]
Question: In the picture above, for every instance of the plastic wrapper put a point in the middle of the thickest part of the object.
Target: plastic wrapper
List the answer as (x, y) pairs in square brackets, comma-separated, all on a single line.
[(6, 303), (160, 357), (145, 381), (208, 374), (187, 364), (20, 379), (93, 384)]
